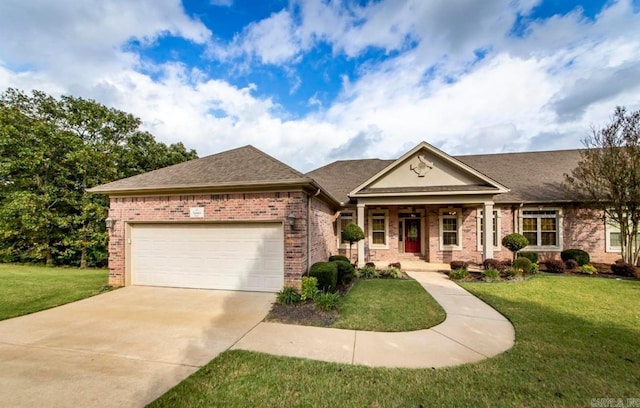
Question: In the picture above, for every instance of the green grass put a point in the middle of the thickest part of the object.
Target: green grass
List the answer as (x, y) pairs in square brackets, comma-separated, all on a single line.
[(28, 289), (388, 305), (576, 340)]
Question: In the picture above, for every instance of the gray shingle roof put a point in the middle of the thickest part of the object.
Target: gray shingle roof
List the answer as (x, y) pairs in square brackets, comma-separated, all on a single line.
[(242, 166), (531, 176)]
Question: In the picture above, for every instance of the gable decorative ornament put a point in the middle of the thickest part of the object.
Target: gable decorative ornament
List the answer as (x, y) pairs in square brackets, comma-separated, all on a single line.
[(421, 166)]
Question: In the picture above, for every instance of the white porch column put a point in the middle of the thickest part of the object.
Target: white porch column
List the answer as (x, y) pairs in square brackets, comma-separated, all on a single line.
[(487, 227), (360, 214)]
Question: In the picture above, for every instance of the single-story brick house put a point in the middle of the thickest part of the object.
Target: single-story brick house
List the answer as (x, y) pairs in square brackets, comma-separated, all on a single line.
[(243, 220)]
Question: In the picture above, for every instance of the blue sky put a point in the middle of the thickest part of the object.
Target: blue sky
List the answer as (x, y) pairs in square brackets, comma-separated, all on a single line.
[(310, 82)]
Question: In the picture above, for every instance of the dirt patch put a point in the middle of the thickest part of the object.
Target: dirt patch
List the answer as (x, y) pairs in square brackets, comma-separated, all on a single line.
[(303, 313)]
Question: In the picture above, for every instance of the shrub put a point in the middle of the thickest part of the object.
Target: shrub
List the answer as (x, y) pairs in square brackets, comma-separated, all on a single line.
[(309, 288), (491, 263), (491, 274), (535, 268), (339, 258), (327, 275), (367, 272), (578, 255), (622, 268), (514, 243), (395, 265), (571, 264), (346, 271), (370, 265), (588, 269), (458, 274), (554, 266), (510, 272), (458, 265), (532, 256), (524, 264), (327, 301), (393, 273), (288, 295)]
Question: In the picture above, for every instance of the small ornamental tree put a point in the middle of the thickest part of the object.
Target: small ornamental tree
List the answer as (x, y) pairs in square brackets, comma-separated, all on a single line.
[(514, 243), (352, 233)]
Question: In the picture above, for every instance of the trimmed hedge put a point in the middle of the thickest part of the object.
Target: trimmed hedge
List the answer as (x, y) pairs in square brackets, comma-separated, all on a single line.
[(346, 271), (532, 256), (555, 266), (523, 263), (327, 275), (339, 258), (621, 268), (458, 265), (578, 255)]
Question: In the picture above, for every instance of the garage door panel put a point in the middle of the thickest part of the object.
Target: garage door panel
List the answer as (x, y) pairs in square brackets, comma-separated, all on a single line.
[(215, 256)]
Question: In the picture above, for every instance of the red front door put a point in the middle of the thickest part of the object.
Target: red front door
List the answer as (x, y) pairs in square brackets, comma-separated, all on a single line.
[(412, 235)]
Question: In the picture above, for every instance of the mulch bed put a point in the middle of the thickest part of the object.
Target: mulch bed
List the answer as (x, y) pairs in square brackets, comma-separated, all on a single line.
[(304, 313)]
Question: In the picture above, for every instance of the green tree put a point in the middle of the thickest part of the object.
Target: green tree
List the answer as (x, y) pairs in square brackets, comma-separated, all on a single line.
[(352, 233), (51, 151), (607, 178), (514, 243)]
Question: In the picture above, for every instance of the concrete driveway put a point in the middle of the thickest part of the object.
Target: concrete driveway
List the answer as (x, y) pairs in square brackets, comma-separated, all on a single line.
[(120, 349)]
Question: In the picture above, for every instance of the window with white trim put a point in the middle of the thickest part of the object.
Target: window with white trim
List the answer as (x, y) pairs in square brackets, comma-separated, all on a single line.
[(542, 228), (450, 229), (497, 222), (345, 218), (613, 237), (378, 229)]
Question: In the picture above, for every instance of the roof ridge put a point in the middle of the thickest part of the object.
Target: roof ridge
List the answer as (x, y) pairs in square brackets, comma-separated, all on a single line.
[(273, 159)]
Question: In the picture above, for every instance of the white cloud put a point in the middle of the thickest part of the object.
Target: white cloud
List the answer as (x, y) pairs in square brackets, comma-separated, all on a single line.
[(273, 40), (434, 90)]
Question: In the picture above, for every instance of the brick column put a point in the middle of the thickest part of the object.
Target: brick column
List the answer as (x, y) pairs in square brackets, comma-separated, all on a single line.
[(360, 214)]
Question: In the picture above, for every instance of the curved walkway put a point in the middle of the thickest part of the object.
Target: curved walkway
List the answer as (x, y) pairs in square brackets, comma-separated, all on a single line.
[(472, 331)]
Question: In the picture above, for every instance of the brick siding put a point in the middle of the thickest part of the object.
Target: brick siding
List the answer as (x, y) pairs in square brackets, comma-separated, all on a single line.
[(217, 207), (323, 234)]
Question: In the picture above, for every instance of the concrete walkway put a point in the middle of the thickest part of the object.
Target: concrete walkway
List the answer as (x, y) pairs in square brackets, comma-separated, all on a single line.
[(471, 332)]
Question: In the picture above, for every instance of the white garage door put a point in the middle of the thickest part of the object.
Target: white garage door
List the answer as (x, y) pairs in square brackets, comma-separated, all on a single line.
[(210, 256)]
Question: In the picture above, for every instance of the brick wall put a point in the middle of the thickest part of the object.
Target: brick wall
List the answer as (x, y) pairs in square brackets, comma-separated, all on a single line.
[(323, 235), (217, 207)]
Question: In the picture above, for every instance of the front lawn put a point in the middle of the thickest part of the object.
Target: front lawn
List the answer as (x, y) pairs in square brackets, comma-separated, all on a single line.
[(388, 305), (576, 343), (28, 289)]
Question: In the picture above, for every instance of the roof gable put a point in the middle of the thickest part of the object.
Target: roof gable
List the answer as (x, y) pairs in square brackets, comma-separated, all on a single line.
[(244, 166), (427, 170)]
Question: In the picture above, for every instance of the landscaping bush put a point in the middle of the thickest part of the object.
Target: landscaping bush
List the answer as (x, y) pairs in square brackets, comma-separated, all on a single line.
[(346, 271), (309, 288), (395, 265), (326, 301), (534, 269), (622, 268), (578, 255), (491, 274), (588, 269), (554, 266), (367, 272), (532, 256), (339, 258), (327, 275), (491, 263), (393, 273), (458, 265), (514, 243), (370, 265), (510, 272), (458, 274), (524, 264), (570, 264), (288, 295)]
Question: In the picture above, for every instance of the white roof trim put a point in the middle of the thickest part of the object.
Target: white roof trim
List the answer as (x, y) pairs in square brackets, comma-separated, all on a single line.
[(437, 152)]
